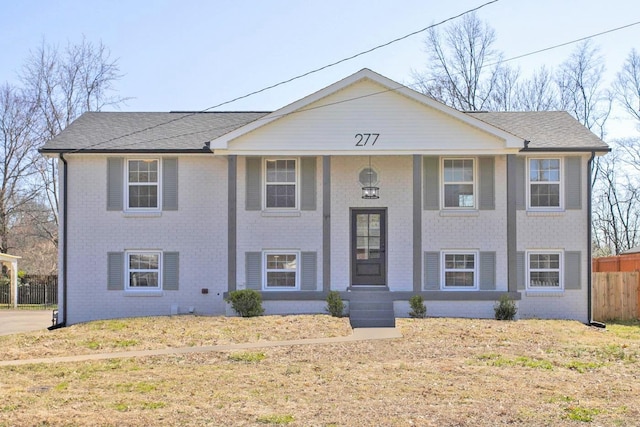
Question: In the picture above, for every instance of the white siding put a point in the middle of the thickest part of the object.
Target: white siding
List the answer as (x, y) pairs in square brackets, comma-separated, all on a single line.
[(197, 231), (331, 124)]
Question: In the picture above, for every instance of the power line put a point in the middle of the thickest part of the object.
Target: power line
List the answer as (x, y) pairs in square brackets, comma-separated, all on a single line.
[(351, 57), (331, 65), (292, 78), (564, 44)]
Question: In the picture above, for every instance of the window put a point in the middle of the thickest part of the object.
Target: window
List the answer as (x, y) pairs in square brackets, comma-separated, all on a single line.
[(281, 270), (281, 184), (142, 184), (544, 183), (458, 183), (543, 271), (459, 270), (143, 270)]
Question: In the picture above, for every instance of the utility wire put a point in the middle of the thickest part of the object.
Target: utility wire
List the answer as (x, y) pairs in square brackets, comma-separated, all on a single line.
[(330, 65), (291, 79), (564, 44), (372, 94)]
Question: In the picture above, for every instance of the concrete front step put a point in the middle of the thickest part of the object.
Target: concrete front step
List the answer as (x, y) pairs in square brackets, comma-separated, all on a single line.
[(371, 310), (372, 323)]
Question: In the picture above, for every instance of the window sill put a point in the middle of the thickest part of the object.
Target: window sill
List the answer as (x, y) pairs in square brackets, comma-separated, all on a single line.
[(533, 293), (458, 289), (546, 213), (136, 293), (279, 289), (133, 214), (459, 213), (270, 213)]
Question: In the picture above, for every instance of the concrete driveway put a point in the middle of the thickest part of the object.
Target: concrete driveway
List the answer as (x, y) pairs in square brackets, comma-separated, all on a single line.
[(16, 321)]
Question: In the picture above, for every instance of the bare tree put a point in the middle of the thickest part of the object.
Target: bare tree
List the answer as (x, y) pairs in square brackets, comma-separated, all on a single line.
[(504, 96), (580, 83), (616, 207), (463, 64), (63, 84), (18, 150), (537, 93), (627, 85)]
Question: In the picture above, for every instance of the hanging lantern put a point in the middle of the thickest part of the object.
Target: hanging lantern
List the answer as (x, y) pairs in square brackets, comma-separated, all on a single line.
[(367, 181)]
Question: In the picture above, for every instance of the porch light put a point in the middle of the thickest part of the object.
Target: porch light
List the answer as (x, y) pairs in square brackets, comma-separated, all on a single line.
[(369, 191)]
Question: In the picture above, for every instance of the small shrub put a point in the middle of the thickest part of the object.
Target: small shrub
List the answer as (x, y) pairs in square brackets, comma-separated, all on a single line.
[(505, 308), (335, 305), (418, 309), (246, 302)]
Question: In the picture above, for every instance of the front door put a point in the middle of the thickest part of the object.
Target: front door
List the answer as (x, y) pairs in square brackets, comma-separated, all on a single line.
[(368, 242)]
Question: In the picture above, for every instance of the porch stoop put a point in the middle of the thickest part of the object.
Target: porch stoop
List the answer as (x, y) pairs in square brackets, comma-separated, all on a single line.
[(371, 309)]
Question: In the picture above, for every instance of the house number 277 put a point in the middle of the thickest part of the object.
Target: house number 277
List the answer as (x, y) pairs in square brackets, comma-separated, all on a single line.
[(362, 139)]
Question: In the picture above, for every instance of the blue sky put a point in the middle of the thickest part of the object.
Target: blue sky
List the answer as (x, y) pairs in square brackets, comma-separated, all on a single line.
[(190, 55)]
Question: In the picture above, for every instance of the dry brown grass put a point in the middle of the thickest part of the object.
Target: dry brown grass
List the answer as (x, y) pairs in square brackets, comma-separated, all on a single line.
[(443, 372)]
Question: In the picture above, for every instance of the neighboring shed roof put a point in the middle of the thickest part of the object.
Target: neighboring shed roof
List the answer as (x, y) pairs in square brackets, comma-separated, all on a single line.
[(633, 250), (119, 131), (545, 130)]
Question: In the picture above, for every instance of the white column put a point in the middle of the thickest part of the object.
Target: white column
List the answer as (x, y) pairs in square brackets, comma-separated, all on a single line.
[(14, 282)]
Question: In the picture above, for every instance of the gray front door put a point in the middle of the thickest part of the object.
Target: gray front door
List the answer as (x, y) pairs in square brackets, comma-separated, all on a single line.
[(368, 242)]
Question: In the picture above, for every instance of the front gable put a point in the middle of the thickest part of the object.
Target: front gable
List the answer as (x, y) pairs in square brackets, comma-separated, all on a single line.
[(367, 114)]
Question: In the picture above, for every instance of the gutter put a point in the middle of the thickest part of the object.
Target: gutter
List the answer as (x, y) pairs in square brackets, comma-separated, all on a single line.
[(204, 150), (565, 150), (63, 323), (590, 320)]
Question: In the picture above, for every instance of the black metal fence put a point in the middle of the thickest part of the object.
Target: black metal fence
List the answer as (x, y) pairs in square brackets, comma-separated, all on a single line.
[(35, 292)]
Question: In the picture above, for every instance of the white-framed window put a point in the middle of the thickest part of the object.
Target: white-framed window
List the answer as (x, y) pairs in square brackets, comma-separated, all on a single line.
[(281, 270), (143, 270), (281, 183), (544, 270), (545, 189), (458, 183), (459, 270), (143, 184)]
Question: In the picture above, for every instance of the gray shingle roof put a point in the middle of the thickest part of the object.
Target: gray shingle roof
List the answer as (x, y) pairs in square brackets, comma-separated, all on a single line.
[(119, 131), (555, 130), (124, 131)]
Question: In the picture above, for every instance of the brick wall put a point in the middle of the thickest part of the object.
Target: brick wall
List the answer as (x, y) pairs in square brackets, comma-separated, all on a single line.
[(197, 231)]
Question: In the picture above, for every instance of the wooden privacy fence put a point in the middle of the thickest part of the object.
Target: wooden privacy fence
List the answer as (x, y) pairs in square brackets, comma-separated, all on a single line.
[(616, 295), (628, 262)]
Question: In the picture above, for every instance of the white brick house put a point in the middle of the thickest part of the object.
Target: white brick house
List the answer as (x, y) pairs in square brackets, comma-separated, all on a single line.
[(167, 212)]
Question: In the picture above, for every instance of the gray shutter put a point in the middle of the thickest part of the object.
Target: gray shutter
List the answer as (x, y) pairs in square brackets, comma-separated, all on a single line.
[(572, 269), (253, 265), (486, 175), (573, 182), (170, 271), (521, 183), (170, 184), (431, 165), (309, 273), (308, 184), (487, 266), (521, 269), (115, 271), (432, 271), (254, 184), (115, 188)]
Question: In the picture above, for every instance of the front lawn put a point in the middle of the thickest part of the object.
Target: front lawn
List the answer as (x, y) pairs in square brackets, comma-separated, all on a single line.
[(443, 372)]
